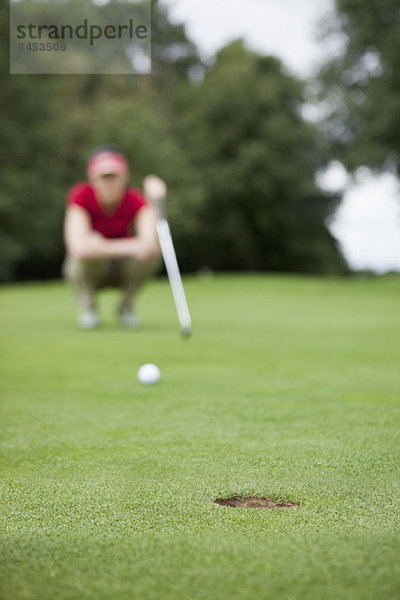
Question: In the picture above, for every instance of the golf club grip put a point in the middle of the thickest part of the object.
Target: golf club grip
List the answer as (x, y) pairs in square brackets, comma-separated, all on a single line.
[(174, 275)]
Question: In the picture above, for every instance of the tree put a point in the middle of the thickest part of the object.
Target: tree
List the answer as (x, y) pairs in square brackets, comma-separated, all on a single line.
[(29, 213), (361, 85), (258, 159)]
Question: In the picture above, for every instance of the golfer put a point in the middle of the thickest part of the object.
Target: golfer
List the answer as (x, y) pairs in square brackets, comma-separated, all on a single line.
[(110, 235)]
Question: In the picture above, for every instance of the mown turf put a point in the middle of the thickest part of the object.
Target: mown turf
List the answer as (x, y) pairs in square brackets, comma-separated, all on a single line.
[(289, 388)]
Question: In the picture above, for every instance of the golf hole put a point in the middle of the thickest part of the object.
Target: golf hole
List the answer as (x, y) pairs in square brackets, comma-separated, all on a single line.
[(253, 502)]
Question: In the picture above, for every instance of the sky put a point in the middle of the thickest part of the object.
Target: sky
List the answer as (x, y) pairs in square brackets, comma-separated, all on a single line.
[(367, 223)]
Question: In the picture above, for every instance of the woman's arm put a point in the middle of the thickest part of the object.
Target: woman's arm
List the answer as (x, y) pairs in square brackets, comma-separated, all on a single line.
[(146, 231), (83, 242)]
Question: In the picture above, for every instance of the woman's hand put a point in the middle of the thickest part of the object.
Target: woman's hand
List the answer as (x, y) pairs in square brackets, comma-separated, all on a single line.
[(154, 188)]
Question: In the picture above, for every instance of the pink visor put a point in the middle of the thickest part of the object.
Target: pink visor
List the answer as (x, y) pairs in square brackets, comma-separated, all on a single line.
[(106, 163)]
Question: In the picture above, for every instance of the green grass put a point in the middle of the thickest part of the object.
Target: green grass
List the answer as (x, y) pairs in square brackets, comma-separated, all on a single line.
[(289, 388)]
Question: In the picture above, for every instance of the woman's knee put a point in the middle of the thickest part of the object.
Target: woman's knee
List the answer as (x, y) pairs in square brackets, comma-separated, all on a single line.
[(86, 270)]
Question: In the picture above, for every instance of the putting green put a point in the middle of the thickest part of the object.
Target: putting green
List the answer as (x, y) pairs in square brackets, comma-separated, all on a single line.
[(289, 388)]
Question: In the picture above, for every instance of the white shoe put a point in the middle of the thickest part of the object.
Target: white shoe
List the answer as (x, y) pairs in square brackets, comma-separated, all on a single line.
[(128, 318), (88, 318)]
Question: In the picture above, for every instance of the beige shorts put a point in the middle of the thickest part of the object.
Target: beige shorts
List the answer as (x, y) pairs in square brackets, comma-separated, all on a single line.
[(115, 272)]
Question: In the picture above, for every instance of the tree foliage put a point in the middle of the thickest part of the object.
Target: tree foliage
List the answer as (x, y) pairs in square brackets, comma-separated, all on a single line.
[(257, 157), (362, 84)]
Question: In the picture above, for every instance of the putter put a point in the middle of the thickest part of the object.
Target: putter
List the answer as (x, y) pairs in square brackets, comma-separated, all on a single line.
[(172, 268)]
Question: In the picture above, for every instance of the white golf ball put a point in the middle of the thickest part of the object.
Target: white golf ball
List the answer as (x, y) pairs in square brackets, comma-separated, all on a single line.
[(149, 374)]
